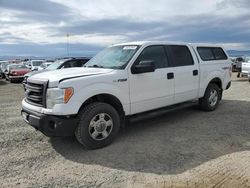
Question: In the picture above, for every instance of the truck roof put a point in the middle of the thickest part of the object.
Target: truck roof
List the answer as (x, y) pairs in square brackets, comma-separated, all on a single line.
[(142, 43)]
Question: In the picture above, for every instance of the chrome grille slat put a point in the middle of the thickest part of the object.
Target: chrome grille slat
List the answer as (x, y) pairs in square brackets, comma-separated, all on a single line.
[(32, 88)]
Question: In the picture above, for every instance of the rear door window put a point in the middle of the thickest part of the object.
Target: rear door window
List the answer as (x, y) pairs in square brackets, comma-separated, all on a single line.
[(180, 55), (206, 54)]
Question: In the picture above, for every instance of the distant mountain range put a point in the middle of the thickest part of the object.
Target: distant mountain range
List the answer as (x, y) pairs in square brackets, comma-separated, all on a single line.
[(236, 53), (34, 57), (232, 53)]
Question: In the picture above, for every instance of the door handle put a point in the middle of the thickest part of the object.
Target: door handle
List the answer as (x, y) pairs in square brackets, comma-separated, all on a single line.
[(195, 72), (170, 75)]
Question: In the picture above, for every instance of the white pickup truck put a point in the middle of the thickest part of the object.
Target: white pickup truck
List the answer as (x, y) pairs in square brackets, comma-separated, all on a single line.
[(121, 81)]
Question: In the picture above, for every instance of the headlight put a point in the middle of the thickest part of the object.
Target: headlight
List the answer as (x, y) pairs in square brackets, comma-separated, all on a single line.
[(25, 79), (58, 96)]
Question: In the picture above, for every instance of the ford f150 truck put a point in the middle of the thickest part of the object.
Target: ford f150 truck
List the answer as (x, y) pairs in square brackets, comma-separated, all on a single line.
[(123, 80)]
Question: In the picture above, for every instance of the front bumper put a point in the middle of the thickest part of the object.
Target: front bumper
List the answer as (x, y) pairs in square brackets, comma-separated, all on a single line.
[(50, 125), (16, 77)]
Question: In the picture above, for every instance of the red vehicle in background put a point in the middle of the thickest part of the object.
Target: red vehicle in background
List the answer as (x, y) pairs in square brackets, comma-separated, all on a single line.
[(16, 72)]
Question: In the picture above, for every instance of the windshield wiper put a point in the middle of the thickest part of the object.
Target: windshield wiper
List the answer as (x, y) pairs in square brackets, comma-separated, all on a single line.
[(95, 66)]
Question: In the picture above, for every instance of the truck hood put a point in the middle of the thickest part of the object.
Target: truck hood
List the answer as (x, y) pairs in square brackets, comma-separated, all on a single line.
[(54, 77)]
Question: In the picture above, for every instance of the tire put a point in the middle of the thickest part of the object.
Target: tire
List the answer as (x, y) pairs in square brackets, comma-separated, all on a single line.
[(95, 119), (209, 103)]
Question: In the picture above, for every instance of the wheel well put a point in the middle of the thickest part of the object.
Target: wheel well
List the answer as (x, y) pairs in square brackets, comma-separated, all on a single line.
[(216, 81), (109, 99)]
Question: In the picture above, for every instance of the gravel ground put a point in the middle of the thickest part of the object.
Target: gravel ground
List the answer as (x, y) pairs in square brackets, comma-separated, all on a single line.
[(185, 148)]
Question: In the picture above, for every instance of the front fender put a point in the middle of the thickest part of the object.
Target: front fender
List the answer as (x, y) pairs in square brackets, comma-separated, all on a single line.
[(103, 88), (84, 93)]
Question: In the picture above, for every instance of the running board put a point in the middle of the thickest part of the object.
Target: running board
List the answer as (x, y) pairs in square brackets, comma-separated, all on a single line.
[(160, 111)]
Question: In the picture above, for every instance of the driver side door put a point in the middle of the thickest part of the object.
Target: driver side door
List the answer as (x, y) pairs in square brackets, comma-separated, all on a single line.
[(151, 90)]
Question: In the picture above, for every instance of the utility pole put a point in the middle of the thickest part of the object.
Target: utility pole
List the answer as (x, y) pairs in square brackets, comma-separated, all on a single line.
[(67, 44)]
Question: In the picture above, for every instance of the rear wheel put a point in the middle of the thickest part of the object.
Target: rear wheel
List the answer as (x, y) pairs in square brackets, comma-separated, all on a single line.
[(98, 126), (211, 98)]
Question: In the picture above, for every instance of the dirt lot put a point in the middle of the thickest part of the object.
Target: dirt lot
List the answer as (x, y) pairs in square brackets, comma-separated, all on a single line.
[(185, 148)]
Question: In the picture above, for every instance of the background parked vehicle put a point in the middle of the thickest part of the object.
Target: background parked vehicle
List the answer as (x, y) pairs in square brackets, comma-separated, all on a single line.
[(233, 59), (3, 68), (34, 64), (16, 72), (238, 65), (245, 67), (44, 65), (1, 62), (2, 72), (60, 64)]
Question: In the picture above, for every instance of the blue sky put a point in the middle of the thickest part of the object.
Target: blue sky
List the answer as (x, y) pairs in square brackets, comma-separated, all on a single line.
[(39, 27)]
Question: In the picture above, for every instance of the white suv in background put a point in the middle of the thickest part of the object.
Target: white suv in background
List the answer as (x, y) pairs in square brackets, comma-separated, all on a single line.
[(124, 81), (34, 64)]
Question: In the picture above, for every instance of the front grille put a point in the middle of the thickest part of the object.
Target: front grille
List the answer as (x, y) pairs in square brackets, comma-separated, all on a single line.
[(36, 93)]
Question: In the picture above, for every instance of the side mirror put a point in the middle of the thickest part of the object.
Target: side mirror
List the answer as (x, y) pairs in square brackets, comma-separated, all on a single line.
[(143, 67)]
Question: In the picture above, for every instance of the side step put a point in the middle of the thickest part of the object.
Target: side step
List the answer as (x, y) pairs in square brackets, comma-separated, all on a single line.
[(154, 113)]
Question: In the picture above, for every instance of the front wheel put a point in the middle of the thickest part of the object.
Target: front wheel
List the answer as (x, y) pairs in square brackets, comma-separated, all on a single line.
[(98, 125), (211, 98)]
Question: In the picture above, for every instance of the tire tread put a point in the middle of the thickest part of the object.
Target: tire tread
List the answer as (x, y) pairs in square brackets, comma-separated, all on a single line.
[(203, 102), (81, 118)]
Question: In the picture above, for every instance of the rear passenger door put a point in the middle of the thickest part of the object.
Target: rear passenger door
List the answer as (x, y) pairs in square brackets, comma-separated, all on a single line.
[(186, 72)]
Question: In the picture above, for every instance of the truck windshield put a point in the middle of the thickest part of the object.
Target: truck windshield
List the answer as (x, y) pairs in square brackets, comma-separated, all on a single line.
[(116, 57)]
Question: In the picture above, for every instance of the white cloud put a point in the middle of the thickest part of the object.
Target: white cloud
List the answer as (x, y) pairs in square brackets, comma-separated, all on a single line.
[(144, 10), (238, 46), (168, 14)]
